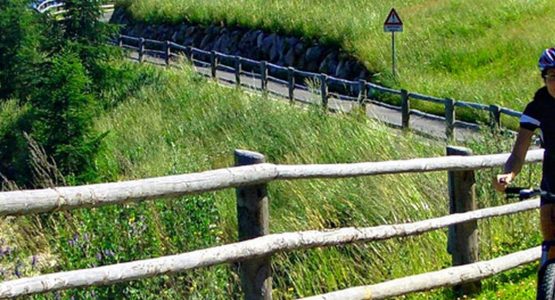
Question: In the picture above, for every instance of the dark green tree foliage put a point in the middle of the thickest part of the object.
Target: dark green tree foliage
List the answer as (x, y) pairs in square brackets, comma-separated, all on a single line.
[(21, 39), (85, 34), (82, 22), (62, 112), (58, 69)]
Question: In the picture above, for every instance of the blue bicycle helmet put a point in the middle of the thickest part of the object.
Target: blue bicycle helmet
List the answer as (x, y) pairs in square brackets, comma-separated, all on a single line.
[(547, 60)]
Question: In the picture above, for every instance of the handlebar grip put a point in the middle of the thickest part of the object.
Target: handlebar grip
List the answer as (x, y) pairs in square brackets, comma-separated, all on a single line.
[(514, 190)]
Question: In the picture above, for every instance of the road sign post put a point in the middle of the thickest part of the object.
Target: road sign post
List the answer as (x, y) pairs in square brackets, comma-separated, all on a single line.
[(393, 24)]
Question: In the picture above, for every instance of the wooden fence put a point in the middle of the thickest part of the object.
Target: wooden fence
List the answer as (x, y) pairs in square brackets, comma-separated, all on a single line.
[(250, 177), (359, 92)]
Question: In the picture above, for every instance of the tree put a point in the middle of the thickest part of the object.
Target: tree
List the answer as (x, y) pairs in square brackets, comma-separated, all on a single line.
[(21, 39), (62, 112)]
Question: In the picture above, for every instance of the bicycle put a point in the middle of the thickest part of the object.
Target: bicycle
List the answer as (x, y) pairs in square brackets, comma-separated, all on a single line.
[(546, 273)]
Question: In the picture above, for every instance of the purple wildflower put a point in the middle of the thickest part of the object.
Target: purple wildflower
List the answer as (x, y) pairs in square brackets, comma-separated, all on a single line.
[(108, 253), (17, 270)]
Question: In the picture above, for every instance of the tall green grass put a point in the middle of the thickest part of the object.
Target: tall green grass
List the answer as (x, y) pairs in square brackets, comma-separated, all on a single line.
[(178, 122), (483, 51)]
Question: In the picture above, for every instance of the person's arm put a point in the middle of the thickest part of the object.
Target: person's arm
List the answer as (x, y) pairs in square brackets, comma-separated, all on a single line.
[(516, 159)]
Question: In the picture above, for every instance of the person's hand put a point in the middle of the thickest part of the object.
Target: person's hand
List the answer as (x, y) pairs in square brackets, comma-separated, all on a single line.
[(502, 180)]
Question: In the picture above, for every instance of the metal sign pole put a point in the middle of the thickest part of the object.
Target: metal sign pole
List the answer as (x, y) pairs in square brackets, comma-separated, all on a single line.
[(393, 24), (393, 53)]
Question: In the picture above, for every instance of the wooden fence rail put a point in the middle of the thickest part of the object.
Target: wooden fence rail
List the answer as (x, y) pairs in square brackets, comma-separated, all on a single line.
[(95, 195), (424, 282), (327, 83), (253, 248), (250, 177)]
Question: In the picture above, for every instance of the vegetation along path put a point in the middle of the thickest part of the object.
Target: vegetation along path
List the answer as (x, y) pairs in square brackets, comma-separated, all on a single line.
[(431, 125)]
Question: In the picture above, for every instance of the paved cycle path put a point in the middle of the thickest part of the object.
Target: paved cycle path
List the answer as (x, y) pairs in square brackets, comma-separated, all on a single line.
[(429, 125)]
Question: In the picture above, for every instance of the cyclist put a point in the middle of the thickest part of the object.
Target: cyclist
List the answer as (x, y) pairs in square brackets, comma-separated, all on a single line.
[(540, 113)]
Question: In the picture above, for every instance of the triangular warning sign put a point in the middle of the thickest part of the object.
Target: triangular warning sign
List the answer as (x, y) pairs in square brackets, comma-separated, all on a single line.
[(393, 18)]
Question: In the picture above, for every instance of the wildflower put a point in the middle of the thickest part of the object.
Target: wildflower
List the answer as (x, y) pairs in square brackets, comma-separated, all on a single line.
[(17, 270), (108, 253)]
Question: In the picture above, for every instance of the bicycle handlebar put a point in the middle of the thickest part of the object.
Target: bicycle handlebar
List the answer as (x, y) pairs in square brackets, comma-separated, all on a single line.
[(523, 193)]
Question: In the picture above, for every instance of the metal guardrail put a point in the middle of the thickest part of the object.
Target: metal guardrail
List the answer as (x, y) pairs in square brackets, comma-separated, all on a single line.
[(56, 7)]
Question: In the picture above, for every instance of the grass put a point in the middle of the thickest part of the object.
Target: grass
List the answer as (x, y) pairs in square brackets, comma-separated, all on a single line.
[(178, 122), (479, 51)]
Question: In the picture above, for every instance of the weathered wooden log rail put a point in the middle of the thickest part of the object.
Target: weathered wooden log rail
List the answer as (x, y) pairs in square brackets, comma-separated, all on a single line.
[(359, 92), (250, 177)]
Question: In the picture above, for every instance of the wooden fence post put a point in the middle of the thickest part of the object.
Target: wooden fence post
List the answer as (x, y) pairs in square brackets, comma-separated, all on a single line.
[(405, 109), (238, 70), (253, 221), (463, 238), (362, 94), (213, 64), (168, 53), (263, 76), (324, 90), (291, 84), (495, 115), (450, 118), (141, 49)]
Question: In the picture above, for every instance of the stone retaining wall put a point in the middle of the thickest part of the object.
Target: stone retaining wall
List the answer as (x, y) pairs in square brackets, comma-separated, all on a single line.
[(250, 43)]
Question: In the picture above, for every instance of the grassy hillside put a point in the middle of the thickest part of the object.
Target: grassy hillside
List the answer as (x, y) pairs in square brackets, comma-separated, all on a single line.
[(177, 122), (477, 50)]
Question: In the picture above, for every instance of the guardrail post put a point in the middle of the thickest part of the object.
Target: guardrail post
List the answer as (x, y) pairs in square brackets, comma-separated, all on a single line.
[(120, 41), (253, 221), (291, 84), (449, 118), (324, 90), (213, 64), (405, 109), (362, 94), (192, 55), (495, 115), (238, 70), (463, 238), (168, 52), (263, 76), (141, 49)]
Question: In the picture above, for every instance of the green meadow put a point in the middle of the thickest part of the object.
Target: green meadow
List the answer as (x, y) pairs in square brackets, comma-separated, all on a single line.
[(166, 121), (481, 51), (177, 122)]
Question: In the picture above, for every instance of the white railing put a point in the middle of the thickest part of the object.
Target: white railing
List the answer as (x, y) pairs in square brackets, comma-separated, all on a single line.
[(56, 7)]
